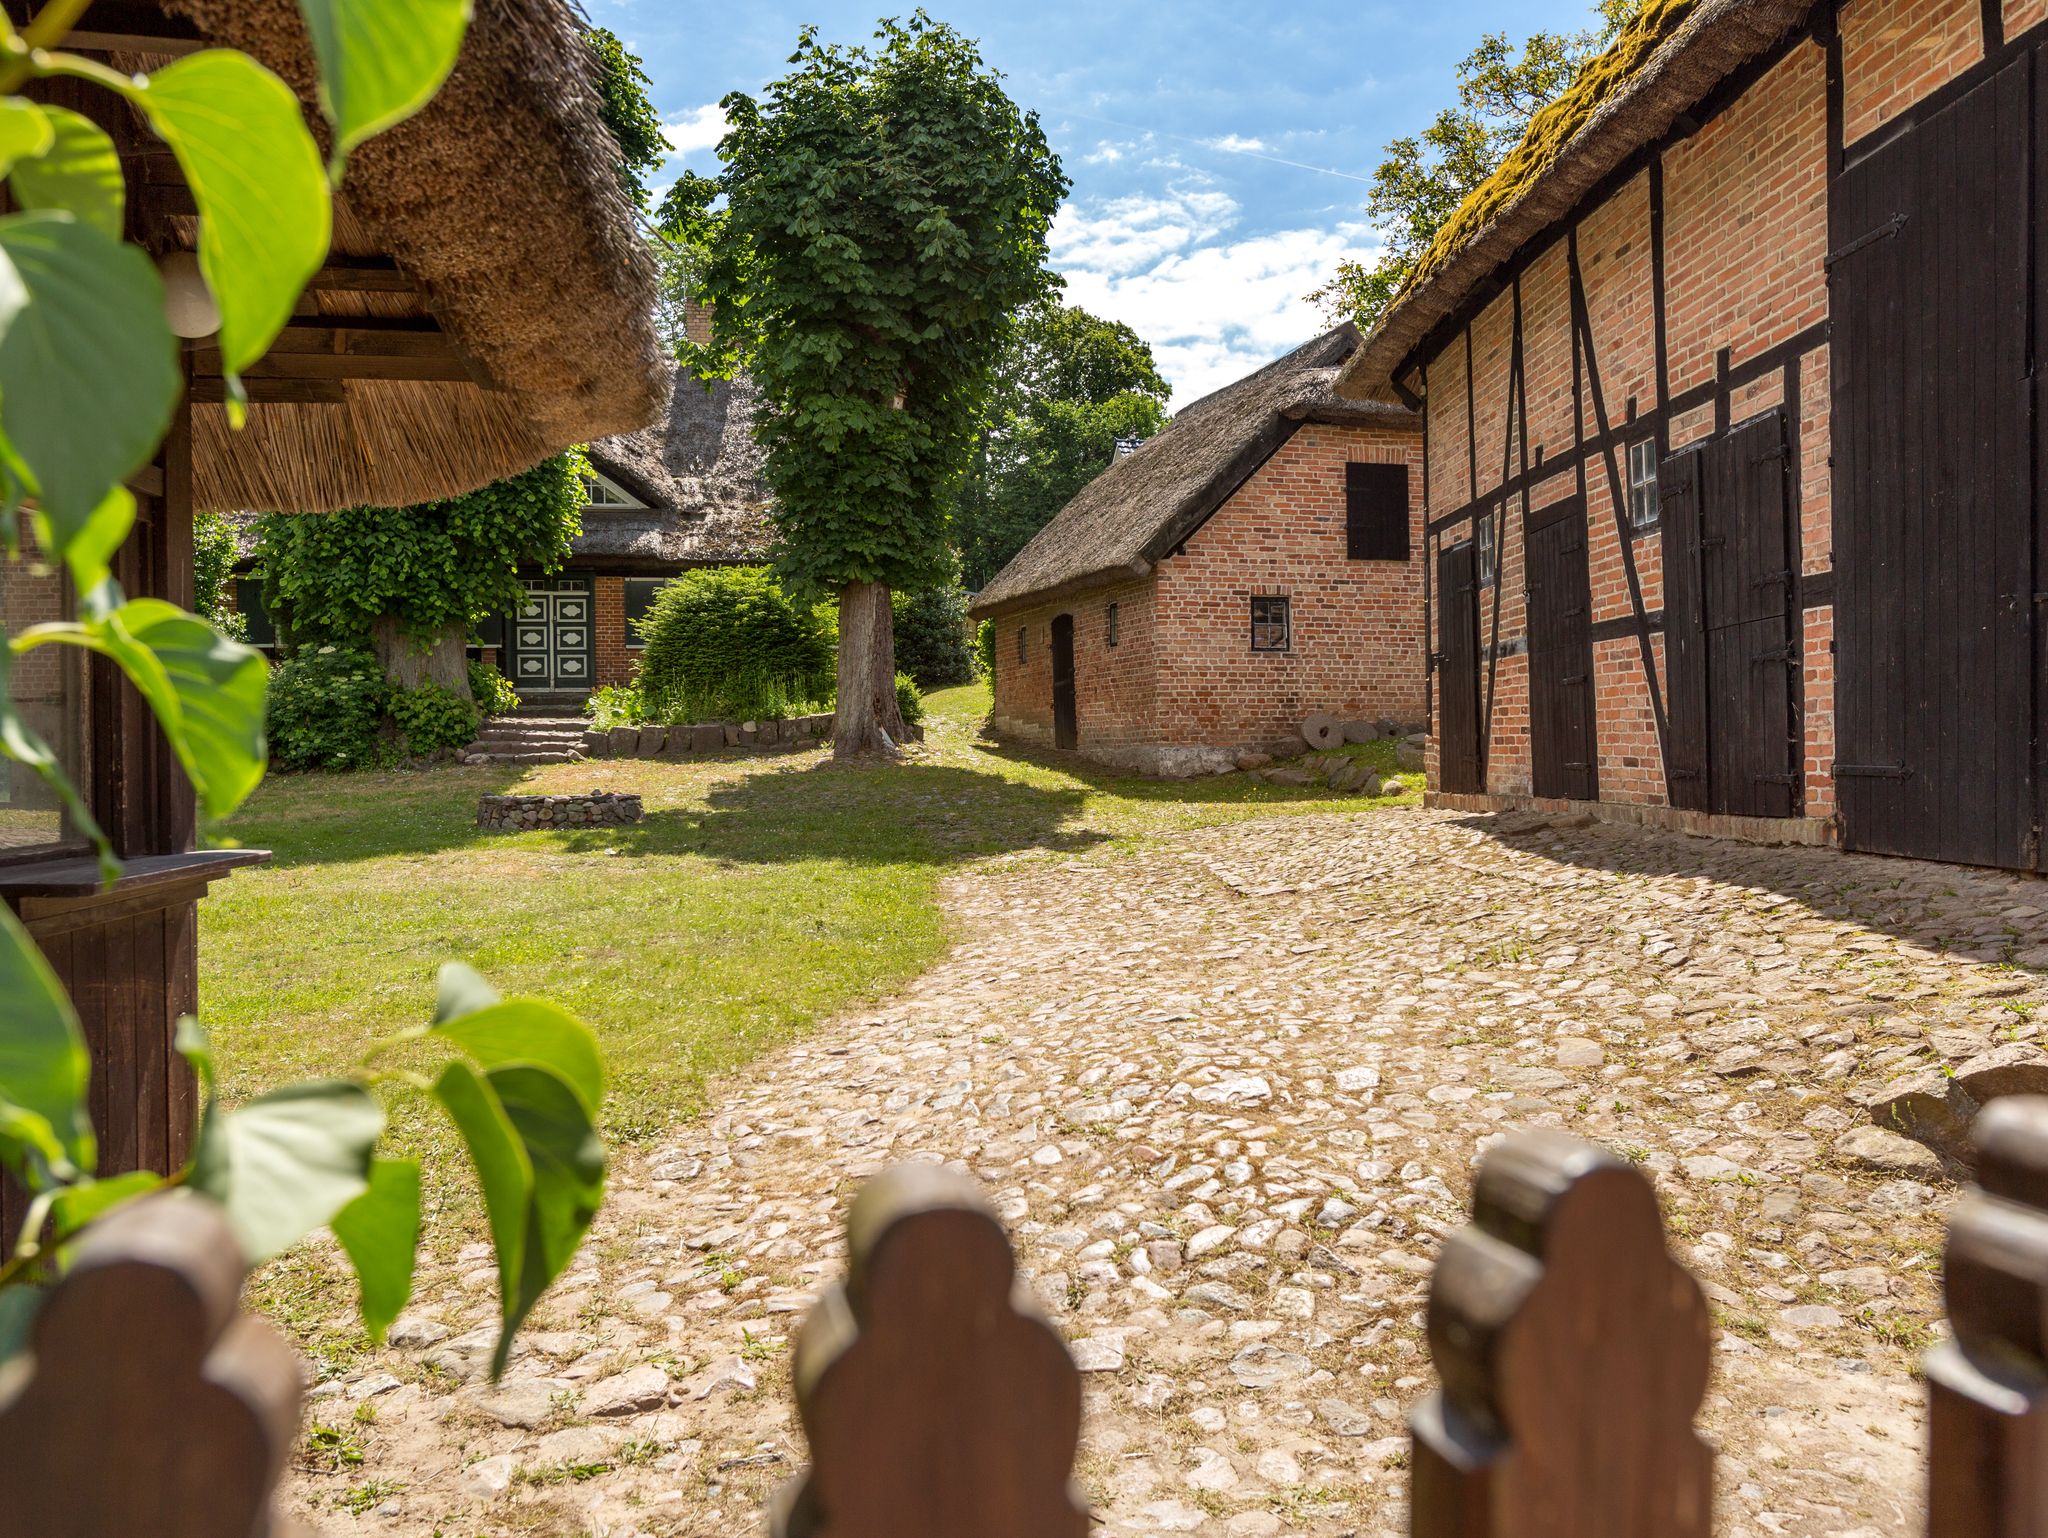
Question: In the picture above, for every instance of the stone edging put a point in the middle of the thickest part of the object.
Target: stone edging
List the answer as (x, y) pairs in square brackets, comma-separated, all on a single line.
[(516, 814), (706, 738)]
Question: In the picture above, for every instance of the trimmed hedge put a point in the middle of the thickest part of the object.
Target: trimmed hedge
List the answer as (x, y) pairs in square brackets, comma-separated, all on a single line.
[(726, 639)]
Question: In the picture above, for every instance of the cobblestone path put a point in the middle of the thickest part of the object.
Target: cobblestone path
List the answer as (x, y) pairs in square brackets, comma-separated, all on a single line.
[(1228, 1091)]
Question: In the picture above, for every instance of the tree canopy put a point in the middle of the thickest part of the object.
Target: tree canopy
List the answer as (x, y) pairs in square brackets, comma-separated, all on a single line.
[(1424, 177), (1069, 387), (628, 112)]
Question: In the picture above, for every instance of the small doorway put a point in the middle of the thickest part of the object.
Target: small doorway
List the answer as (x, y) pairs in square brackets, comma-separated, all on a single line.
[(1457, 670), (1065, 732), (552, 643), (1561, 726)]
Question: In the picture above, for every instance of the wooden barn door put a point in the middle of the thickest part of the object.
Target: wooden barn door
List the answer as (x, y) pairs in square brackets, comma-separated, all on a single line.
[(1066, 732), (1933, 516), (1457, 658), (1561, 725), (1679, 481)]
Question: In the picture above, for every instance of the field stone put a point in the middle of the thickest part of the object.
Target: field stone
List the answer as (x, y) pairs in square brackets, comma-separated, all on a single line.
[(1929, 1107), (1408, 756), (1098, 1353), (492, 1477), (414, 1332), (1362, 731), (1578, 1052), (2014, 1069), (1877, 1149), (706, 737), (651, 741), (522, 1403), (577, 1447), (1263, 1366), (625, 741), (628, 1393), (1344, 1420)]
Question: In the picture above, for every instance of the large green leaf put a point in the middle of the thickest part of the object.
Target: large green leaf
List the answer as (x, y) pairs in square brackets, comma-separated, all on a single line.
[(566, 1155), (531, 1031), (462, 991), (381, 1232), (89, 549), (264, 216), (506, 1176), (89, 370), (76, 1206), (24, 130), (44, 1067), (80, 172), (380, 61), (287, 1162)]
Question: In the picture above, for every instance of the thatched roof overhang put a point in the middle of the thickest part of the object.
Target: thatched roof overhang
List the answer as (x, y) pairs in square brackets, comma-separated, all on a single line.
[(1148, 504), (487, 301), (1648, 88)]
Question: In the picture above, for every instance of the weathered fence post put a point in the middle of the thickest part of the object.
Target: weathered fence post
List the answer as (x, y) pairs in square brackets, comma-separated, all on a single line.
[(1987, 1423), (1573, 1353), (146, 1404), (938, 1403)]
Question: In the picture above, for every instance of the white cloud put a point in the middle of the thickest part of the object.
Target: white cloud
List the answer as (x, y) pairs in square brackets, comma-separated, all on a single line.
[(700, 128), (1237, 144), (1213, 308)]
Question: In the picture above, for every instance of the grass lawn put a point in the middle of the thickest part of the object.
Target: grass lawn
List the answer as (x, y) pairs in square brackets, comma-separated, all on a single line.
[(760, 895)]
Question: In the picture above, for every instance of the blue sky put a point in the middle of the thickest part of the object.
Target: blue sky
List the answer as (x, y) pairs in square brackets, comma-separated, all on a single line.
[(1219, 152)]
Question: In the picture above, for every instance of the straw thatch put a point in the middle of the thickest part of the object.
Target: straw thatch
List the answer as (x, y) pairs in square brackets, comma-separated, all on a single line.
[(501, 205), (1660, 68), (699, 472), (1141, 508)]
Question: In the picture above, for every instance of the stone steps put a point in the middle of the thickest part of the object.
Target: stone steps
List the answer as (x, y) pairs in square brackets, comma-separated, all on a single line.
[(528, 739)]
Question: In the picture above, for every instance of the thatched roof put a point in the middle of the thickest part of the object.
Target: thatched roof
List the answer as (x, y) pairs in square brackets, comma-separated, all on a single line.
[(699, 472), (1662, 66), (496, 211), (1138, 510)]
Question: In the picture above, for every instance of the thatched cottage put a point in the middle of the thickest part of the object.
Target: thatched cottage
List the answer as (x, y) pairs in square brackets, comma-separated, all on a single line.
[(487, 301), (1254, 563), (1726, 382)]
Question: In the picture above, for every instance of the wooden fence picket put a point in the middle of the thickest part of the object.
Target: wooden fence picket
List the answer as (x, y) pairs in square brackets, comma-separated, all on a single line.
[(1573, 1354)]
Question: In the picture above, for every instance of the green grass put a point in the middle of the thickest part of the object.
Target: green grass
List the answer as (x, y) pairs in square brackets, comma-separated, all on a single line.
[(759, 896)]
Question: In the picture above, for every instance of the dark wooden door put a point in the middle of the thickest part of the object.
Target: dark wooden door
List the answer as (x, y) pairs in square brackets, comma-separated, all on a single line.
[(1459, 768), (1745, 576), (1561, 722), (1065, 729), (1933, 518), (1679, 481)]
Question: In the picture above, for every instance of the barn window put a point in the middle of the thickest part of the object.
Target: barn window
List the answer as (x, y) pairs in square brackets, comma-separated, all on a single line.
[(1110, 625), (1022, 643), (1642, 485), (1376, 512), (1489, 547), (1270, 627), (640, 593)]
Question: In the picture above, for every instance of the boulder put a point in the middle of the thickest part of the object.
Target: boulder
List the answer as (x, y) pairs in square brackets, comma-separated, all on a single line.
[(1930, 1107), (678, 744), (707, 737), (625, 741), (1362, 731), (1254, 760), (628, 1393), (597, 744), (1408, 756), (1876, 1149), (2014, 1069), (652, 740)]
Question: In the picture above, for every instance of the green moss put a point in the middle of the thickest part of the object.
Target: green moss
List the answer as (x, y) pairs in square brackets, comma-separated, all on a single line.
[(1551, 130)]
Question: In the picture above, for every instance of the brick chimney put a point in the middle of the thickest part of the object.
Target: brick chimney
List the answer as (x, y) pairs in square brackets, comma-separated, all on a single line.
[(697, 322)]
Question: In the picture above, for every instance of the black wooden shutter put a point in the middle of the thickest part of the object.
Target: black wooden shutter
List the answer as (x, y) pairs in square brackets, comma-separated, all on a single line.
[(1685, 633), (1376, 512)]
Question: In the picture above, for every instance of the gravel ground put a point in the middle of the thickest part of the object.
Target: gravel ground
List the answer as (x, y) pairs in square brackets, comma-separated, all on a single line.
[(1228, 1092)]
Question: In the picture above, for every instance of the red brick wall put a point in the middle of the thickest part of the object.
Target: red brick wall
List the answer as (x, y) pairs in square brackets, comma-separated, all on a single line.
[(1184, 676), (615, 664), (1896, 51), (2023, 14)]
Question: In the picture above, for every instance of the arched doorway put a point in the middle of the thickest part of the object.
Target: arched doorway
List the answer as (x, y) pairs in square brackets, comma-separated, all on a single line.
[(1064, 731)]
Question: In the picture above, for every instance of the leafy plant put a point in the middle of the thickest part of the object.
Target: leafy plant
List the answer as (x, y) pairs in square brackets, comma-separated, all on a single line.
[(89, 380), (213, 572), (623, 103), (908, 701), (492, 690), (327, 709), (433, 719), (720, 642), (931, 635), (985, 649)]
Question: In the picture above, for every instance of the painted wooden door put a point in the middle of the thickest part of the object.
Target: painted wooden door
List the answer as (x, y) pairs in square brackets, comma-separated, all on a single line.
[(1685, 633), (1459, 765), (1934, 528), (553, 644), (1562, 748), (1065, 727)]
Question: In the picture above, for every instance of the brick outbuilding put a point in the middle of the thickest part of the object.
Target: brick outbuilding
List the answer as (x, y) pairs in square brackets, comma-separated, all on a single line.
[(1255, 562), (1728, 379)]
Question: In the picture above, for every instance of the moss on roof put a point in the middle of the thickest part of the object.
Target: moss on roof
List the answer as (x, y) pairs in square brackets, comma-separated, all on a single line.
[(1553, 128)]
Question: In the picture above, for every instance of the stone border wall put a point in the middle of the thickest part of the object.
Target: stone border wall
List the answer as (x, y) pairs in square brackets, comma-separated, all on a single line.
[(707, 738), (517, 814)]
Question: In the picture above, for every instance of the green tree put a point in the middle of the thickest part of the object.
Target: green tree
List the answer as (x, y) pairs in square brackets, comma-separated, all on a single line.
[(886, 218), (686, 229), (412, 582), (1425, 177), (1070, 387), (623, 103)]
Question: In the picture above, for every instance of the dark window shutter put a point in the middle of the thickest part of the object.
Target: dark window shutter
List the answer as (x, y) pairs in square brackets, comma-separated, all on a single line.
[(1376, 512), (639, 595)]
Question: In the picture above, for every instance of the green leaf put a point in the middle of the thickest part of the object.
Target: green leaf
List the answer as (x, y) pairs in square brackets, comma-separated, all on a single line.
[(18, 1307), (44, 1066), (24, 130), (80, 172), (380, 61), (506, 1177), (78, 1205), (463, 991), (531, 1031), (91, 544), (264, 215), (566, 1155), (83, 340), (381, 1232), (287, 1162)]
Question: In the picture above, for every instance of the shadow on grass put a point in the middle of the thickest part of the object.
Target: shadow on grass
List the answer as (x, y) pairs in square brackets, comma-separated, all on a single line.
[(320, 819), (1204, 790)]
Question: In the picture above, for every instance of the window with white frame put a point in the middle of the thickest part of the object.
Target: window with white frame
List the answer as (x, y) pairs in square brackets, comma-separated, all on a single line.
[(602, 491), (1489, 547), (1642, 485)]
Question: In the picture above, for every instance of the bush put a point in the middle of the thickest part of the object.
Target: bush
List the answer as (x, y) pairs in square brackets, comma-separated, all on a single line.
[(728, 644), (494, 693), (985, 649), (213, 574), (326, 708), (931, 635), (616, 705), (432, 719), (909, 701)]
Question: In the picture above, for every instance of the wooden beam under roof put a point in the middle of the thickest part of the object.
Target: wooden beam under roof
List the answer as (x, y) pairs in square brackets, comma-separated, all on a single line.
[(119, 26), (272, 392), (362, 275)]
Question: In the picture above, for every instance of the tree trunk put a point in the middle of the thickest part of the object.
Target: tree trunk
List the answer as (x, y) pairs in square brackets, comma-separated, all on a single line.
[(867, 718), (409, 662)]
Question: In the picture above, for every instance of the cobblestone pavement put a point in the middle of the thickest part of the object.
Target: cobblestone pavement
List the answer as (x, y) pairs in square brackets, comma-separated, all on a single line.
[(1228, 1091)]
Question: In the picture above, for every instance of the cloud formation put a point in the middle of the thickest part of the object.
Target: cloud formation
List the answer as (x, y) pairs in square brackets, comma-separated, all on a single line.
[(697, 128)]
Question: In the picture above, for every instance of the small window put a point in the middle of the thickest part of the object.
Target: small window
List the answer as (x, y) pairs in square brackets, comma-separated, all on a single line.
[(1376, 512), (1023, 643), (1489, 547), (640, 593), (603, 491), (1110, 626), (1642, 485), (260, 632), (1271, 631)]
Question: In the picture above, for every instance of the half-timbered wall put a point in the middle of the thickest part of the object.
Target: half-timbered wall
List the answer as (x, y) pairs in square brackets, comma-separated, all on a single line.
[(1688, 296)]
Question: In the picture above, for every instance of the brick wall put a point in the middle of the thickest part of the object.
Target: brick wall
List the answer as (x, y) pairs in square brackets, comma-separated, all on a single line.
[(1113, 685), (1896, 51), (615, 664)]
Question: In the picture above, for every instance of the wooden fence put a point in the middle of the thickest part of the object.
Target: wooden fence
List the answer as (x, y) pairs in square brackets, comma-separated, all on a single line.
[(1571, 1348)]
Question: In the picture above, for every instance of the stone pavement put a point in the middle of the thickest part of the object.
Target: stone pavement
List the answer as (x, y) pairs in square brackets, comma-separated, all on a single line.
[(1227, 1090)]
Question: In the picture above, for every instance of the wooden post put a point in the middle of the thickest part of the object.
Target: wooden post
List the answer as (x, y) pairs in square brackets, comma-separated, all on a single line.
[(1573, 1351), (146, 1404), (937, 1401), (1987, 1386)]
